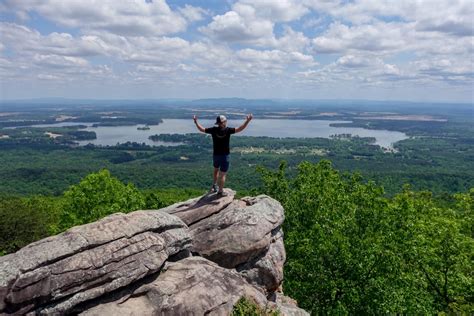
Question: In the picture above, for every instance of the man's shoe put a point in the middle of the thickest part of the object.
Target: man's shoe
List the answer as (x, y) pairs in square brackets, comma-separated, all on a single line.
[(214, 188), (221, 193)]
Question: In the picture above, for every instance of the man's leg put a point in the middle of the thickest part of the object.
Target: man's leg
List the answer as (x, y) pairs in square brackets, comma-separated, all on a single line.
[(215, 177), (224, 167), (222, 180), (216, 173)]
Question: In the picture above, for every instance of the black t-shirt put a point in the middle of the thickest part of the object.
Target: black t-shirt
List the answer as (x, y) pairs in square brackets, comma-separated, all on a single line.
[(220, 139)]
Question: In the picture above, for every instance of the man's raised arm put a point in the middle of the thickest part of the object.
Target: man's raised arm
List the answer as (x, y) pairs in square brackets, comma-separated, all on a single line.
[(243, 126), (199, 126)]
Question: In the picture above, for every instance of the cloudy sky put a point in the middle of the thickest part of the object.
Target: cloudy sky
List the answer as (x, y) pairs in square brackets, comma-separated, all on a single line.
[(314, 49)]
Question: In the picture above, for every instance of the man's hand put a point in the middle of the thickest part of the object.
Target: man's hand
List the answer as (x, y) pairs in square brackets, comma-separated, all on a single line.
[(243, 126), (199, 127)]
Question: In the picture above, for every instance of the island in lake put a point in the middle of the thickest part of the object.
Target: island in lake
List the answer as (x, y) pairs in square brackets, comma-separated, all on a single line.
[(143, 128)]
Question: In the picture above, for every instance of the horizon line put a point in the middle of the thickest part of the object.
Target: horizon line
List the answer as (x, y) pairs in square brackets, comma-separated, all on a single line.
[(230, 98)]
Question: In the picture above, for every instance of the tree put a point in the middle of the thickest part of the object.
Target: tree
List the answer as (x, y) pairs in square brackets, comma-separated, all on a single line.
[(24, 220), (334, 238), (351, 250), (436, 249), (97, 195)]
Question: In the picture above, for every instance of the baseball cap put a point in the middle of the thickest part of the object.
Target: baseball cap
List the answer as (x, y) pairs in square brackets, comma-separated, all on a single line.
[(220, 119)]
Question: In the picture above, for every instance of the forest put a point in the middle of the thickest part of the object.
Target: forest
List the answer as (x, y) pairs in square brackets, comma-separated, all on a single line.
[(40, 165)]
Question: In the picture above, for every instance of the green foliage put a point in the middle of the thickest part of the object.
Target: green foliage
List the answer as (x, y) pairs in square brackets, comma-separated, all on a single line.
[(351, 250), (436, 250), (24, 220), (246, 307), (97, 195), (465, 211)]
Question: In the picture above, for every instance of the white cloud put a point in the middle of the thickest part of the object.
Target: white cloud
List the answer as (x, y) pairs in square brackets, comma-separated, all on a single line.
[(380, 36), (48, 77), (352, 61), (292, 41), (25, 41), (370, 70), (276, 11), (59, 61), (132, 17), (241, 26), (55, 56), (267, 63), (452, 17), (363, 11), (193, 14), (252, 22), (389, 69), (357, 70), (445, 67)]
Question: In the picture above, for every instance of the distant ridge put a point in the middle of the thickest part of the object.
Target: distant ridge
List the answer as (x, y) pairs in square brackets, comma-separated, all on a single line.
[(233, 101)]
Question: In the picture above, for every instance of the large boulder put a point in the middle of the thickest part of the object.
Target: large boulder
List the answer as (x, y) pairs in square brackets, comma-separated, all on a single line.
[(54, 274), (192, 286), (238, 233), (245, 235)]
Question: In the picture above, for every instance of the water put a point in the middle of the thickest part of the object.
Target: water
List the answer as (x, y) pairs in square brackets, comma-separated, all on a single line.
[(111, 135)]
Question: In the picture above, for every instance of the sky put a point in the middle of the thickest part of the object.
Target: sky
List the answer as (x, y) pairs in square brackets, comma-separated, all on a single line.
[(411, 50)]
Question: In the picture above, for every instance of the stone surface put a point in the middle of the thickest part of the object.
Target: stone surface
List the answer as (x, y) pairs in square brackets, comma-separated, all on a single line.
[(240, 232), (287, 306), (197, 209), (192, 286), (266, 270), (57, 273)]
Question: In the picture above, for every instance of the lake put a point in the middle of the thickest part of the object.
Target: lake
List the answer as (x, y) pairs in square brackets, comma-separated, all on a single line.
[(111, 135)]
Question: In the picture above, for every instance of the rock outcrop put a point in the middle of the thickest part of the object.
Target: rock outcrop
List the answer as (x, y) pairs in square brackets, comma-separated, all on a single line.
[(191, 258)]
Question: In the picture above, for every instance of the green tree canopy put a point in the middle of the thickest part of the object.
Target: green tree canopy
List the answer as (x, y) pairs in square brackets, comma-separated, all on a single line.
[(24, 220), (351, 250), (97, 195)]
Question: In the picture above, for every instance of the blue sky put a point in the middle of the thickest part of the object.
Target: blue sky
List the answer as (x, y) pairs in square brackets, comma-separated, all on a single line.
[(311, 49)]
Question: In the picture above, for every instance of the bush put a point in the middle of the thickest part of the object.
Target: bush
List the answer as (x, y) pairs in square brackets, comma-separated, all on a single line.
[(245, 307)]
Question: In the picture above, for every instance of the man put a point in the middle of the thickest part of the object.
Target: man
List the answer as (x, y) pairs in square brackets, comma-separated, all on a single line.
[(220, 140)]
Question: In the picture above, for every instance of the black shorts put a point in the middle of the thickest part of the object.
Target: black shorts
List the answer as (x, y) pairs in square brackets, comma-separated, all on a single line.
[(221, 162)]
